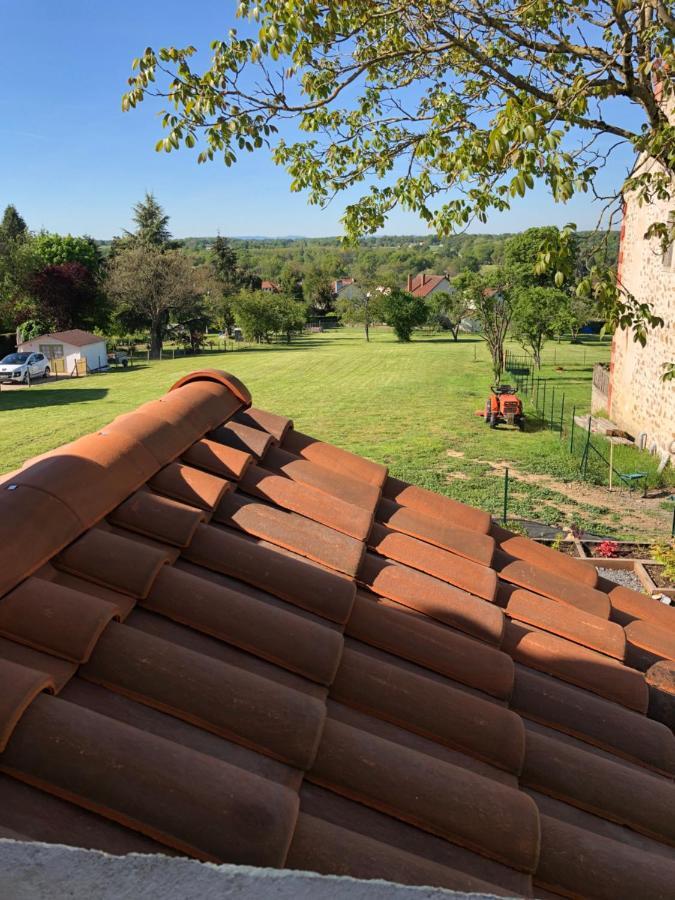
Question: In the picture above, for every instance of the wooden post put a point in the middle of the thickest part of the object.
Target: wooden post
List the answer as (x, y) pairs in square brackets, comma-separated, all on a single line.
[(574, 409), (506, 493)]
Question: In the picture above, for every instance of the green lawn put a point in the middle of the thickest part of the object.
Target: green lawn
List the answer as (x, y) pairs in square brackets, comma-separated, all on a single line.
[(410, 406)]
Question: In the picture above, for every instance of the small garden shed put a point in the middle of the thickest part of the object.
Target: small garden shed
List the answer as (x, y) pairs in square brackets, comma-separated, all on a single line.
[(69, 351)]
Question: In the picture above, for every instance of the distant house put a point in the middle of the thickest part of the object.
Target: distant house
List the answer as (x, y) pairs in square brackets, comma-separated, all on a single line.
[(423, 285), (346, 289), (69, 350), (270, 287)]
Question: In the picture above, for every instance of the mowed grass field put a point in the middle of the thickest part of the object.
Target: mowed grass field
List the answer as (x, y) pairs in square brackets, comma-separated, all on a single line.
[(411, 406)]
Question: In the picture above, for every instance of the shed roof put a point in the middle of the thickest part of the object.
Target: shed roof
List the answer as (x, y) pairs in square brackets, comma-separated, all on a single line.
[(223, 638), (75, 336)]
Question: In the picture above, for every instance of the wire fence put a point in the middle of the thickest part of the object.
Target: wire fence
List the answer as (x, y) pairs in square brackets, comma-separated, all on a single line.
[(602, 459)]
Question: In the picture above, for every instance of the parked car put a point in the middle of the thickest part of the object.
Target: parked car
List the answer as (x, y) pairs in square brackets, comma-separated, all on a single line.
[(118, 358), (19, 367)]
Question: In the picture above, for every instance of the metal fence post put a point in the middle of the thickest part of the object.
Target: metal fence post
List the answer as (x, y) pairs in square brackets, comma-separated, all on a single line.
[(584, 459), (543, 404), (562, 412), (552, 404), (506, 493)]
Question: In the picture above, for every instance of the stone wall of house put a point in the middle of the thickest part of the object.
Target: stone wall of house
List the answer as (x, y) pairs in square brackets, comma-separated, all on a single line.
[(639, 401)]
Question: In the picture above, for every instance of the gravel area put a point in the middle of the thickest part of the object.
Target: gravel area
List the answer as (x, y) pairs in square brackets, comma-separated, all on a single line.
[(623, 577)]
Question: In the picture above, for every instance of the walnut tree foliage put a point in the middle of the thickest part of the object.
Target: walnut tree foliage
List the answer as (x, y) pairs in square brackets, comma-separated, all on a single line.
[(448, 108)]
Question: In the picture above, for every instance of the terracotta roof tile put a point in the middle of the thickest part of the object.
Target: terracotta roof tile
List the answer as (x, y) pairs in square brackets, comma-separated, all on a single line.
[(544, 582), (442, 799), (158, 517), (120, 563), (302, 584), (273, 424), (58, 670), (576, 664), (565, 621), (335, 458), (438, 711), (194, 580), (637, 799), (66, 750), (462, 541), (433, 597), (54, 619), (20, 687), (627, 605), (293, 532), (389, 626), (330, 481), (276, 634), (309, 501), (593, 719), (451, 512), (217, 697), (661, 680), (617, 870), (544, 557), (457, 570), (59, 527), (217, 458), (242, 437), (647, 644)]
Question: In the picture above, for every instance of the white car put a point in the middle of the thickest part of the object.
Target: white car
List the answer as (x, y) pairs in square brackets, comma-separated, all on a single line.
[(19, 367)]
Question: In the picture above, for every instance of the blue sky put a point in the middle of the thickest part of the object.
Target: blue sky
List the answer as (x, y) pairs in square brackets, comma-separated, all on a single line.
[(71, 161)]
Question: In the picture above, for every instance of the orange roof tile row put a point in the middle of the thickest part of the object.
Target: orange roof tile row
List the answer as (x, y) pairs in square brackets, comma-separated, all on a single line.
[(224, 638)]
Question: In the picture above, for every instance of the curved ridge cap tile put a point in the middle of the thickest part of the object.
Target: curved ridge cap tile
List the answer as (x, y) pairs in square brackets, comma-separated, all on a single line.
[(546, 558), (93, 474), (195, 803), (556, 587), (56, 619), (204, 404), (165, 440), (574, 859), (231, 382), (635, 798), (478, 813), (24, 551), (20, 686)]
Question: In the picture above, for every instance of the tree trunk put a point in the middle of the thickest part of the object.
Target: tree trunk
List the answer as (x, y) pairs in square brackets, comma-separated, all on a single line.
[(454, 332), (367, 328), (156, 338)]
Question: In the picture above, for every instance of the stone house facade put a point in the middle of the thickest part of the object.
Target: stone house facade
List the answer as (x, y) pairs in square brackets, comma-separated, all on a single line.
[(638, 400)]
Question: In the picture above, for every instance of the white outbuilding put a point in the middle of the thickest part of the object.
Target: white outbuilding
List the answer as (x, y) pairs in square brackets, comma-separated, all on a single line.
[(70, 350)]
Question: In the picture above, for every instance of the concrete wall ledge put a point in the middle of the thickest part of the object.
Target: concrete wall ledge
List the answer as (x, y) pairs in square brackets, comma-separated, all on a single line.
[(34, 871)]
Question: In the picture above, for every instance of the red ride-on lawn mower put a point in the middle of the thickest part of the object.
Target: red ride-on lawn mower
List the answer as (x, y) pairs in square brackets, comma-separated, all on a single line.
[(504, 405)]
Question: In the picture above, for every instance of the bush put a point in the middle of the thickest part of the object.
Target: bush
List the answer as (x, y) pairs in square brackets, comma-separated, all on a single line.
[(404, 312)]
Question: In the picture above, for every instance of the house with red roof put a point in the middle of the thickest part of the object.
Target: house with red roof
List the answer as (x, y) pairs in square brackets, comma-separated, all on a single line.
[(423, 285)]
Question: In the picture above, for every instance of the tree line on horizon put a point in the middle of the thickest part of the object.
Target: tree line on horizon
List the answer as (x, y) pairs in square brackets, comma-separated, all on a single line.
[(145, 282)]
